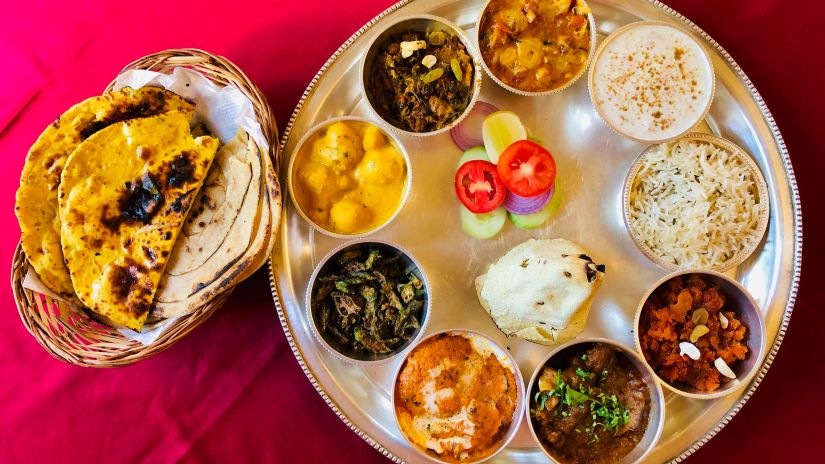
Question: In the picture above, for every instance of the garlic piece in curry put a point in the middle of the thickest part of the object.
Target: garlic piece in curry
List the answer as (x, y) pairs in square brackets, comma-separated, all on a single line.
[(349, 178), (409, 47)]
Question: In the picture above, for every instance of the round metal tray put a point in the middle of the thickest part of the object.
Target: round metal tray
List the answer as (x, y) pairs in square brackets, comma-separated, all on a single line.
[(593, 162)]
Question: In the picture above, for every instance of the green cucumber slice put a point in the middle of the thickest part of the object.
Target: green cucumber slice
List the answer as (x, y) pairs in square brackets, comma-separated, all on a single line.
[(472, 154), (532, 221), (485, 225)]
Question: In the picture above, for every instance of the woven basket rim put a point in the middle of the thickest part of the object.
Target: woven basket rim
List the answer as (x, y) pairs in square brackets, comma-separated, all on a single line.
[(68, 334)]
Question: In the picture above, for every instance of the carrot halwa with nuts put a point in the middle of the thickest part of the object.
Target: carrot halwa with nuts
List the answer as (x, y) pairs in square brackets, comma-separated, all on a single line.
[(688, 312)]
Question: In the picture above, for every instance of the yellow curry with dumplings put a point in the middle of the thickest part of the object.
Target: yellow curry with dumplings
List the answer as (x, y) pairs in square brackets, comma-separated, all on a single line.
[(535, 45), (349, 178)]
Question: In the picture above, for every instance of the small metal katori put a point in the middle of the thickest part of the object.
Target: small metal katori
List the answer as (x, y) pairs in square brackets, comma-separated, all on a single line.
[(593, 163)]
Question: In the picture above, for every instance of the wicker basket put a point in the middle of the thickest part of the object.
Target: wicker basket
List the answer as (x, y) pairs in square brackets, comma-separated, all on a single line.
[(68, 333)]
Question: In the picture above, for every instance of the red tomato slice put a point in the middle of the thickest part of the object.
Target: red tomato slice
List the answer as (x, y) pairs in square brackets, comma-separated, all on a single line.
[(527, 168), (479, 187)]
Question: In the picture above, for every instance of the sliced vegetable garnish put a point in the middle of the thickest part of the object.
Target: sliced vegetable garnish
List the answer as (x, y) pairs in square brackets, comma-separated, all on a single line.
[(532, 221), (479, 187), (475, 153), (517, 204), (468, 133), (484, 225), (499, 130), (527, 168)]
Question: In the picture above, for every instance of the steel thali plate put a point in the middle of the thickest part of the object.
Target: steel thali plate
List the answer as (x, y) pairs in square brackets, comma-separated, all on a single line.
[(592, 163)]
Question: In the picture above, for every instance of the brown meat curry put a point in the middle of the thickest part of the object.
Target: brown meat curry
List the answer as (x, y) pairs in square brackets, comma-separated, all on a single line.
[(590, 405)]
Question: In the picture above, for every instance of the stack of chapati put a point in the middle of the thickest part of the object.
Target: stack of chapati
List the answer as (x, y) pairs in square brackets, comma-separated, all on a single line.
[(126, 210)]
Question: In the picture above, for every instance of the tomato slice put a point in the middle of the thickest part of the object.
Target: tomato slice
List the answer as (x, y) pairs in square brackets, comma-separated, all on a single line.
[(479, 187), (527, 168)]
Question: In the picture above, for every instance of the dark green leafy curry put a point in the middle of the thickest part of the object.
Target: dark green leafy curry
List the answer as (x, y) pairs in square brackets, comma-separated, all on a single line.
[(421, 82), (369, 300), (591, 407)]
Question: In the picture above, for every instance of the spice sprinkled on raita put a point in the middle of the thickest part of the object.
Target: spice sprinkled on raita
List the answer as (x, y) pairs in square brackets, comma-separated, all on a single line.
[(652, 82)]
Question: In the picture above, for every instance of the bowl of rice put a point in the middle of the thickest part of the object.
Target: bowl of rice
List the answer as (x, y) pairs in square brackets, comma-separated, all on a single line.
[(697, 202)]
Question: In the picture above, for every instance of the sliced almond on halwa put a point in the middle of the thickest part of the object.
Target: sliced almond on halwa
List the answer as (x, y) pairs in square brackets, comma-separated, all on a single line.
[(723, 321), (723, 368)]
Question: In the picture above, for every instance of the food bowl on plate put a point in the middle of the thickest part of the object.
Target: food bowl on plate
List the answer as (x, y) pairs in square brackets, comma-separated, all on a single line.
[(595, 398), (651, 81), (697, 202), (430, 55), (452, 378), (691, 319), (349, 177), (368, 301), (532, 53)]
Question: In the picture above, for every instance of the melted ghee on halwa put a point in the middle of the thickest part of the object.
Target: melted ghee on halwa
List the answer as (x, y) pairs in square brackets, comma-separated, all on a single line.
[(350, 178), (454, 400)]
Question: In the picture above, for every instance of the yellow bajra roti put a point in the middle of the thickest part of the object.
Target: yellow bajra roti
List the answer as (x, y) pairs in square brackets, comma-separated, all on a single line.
[(123, 197), (36, 206)]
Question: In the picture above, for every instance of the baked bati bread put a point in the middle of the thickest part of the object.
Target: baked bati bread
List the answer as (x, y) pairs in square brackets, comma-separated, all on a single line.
[(541, 290)]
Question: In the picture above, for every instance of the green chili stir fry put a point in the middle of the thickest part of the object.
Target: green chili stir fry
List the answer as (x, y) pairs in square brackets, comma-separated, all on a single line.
[(421, 82), (369, 301)]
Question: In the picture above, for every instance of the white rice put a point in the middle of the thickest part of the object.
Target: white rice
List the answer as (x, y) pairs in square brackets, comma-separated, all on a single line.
[(695, 204)]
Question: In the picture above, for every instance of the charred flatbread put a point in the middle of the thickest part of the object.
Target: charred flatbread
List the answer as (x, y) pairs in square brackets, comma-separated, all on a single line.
[(37, 204), (541, 290), (123, 197), (267, 216), (218, 231)]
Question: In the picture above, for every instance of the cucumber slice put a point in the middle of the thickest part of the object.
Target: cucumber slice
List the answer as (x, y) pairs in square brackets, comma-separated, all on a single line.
[(499, 130), (532, 221), (472, 154), (485, 225)]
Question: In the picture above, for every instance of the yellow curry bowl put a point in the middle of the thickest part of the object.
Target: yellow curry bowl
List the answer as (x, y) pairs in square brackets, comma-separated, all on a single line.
[(348, 177)]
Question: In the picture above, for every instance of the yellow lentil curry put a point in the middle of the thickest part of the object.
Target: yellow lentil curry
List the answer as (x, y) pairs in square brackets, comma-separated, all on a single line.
[(535, 45), (350, 177)]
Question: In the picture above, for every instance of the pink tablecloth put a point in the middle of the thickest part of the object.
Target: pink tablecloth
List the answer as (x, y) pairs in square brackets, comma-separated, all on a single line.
[(232, 391)]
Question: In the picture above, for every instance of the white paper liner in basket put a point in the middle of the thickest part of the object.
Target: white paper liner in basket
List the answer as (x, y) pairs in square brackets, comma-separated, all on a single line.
[(222, 109)]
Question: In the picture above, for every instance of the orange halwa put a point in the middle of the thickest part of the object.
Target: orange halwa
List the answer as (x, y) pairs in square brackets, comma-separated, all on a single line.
[(666, 321)]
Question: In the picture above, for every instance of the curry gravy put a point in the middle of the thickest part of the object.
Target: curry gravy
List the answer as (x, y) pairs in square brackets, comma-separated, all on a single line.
[(454, 398)]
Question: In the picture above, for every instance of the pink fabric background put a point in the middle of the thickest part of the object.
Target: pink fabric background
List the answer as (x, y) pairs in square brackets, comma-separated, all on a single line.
[(232, 391)]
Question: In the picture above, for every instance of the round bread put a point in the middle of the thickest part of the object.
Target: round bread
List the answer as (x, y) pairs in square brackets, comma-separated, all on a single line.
[(228, 233), (541, 290), (36, 206)]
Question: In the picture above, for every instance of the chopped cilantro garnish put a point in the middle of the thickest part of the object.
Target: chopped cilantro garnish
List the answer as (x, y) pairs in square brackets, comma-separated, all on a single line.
[(583, 373)]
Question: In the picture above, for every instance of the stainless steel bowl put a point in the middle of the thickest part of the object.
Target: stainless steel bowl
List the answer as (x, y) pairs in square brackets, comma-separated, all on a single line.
[(762, 192), (300, 146), (329, 343), (656, 420), (739, 300), (593, 35), (419, 23), (629, 27), (485, 343)]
